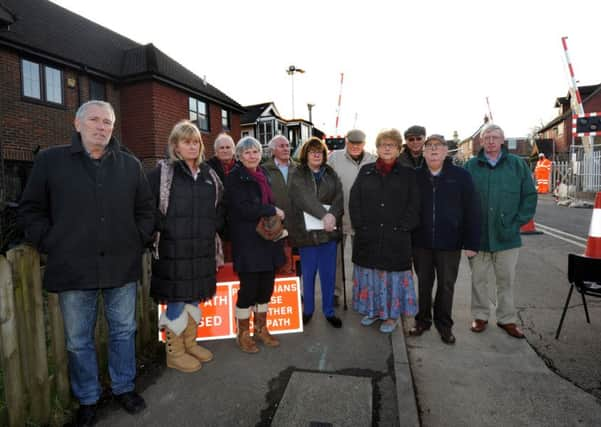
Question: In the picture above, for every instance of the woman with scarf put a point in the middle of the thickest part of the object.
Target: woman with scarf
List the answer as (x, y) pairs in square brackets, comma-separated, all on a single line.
[(249, 198), (384, 208), (188, 195), (316, 191)]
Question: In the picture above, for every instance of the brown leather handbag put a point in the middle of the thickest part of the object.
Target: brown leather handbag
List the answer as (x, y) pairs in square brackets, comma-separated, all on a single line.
[(270, 227)]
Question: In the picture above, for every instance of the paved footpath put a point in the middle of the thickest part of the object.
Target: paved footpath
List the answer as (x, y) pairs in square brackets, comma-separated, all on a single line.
[(491, 379), (356, 376)]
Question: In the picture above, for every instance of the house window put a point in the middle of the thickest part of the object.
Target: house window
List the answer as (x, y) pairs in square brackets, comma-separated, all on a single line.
[(199, 113), (97, 90), (225, 119), (42, 82), (265, 131)]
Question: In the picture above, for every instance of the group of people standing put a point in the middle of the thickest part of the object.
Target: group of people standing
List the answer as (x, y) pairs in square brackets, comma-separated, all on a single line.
[(90, 207)]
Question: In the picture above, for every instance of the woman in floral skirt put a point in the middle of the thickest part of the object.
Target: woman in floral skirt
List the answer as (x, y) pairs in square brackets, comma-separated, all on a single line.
[(384, 208)]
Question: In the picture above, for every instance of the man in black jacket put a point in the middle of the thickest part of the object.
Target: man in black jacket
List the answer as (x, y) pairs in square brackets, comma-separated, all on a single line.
[(449, 222), (89, 206)]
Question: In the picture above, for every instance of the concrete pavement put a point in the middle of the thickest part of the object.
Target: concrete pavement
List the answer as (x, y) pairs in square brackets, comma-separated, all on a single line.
[(490, 378), (487, 379)]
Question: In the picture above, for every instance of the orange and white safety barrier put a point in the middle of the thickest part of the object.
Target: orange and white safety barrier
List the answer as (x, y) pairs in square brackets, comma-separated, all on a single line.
[(593, 245)]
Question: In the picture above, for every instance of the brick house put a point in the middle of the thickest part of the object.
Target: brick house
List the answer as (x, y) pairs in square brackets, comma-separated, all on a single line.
[(53, 60), (559, 130)]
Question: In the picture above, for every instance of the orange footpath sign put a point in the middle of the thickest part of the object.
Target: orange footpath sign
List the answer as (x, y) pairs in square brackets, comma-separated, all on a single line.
[(218, 319)]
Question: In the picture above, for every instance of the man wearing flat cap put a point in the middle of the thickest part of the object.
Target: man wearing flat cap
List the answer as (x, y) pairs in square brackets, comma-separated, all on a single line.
[(346, 163), (412, 153), (449, 222)]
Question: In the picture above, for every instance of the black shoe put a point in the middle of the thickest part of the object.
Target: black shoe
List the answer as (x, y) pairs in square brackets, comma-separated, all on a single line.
[(447, 337), (334, 321), (131, 401), (86, 416), (307, 318), (419, 329)]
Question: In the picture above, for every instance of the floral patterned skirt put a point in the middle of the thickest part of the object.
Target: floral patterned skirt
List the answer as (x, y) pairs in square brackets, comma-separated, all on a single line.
[(383, 294)]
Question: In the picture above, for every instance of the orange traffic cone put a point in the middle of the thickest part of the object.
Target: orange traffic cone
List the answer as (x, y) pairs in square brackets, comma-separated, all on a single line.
[(529, 228), (593, 244)]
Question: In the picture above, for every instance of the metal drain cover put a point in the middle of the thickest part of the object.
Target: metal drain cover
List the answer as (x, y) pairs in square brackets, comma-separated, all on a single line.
[(314, 399)]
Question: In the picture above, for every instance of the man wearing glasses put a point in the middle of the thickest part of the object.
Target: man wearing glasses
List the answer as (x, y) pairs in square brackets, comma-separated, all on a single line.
[(412, 154), (507, 201), (449, 222)]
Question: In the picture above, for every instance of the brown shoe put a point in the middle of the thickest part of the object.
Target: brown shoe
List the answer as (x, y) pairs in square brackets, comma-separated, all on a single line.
[(244, 340), (261, 332), (512, 329), (478, 325), (419, 329)]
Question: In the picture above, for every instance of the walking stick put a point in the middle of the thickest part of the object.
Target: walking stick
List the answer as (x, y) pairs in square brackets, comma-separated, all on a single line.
[(343, 271)]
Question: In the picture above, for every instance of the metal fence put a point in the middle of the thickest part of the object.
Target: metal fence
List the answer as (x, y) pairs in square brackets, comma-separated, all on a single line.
[(581, 172)]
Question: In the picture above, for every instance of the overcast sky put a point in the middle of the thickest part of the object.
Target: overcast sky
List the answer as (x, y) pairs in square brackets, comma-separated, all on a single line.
[(415, 62)]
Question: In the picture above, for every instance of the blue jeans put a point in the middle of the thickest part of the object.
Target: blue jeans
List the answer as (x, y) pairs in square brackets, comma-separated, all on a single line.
[(323, 258), (79, 313), (175, 309)]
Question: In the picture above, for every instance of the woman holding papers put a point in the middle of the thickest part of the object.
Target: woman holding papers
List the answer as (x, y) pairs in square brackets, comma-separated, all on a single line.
[(384, 207), (316, 199)]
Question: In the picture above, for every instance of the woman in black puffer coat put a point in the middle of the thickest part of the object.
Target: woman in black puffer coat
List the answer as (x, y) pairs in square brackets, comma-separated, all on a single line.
[(188, 195)]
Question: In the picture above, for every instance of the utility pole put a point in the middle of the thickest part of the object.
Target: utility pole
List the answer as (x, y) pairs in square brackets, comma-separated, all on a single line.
[(291, 70)]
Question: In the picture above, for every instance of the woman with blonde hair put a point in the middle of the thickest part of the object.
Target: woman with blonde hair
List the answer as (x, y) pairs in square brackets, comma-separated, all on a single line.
[(384, 207), (188, 195)]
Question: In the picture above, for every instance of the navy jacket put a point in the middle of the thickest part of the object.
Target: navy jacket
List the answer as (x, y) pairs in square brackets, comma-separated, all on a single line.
[(450, 210), (251, 252)]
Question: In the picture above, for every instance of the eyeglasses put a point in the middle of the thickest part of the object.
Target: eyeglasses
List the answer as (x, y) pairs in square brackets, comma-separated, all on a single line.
[(388, 146), (434, 146), (316, 153), (415, 138)]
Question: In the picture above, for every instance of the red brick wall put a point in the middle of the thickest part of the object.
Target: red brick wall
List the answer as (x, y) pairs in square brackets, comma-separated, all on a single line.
[(26, 124), (150, 110), (145, 114)]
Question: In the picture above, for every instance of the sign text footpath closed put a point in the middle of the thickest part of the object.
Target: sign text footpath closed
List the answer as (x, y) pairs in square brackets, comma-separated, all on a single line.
[(218, 318)]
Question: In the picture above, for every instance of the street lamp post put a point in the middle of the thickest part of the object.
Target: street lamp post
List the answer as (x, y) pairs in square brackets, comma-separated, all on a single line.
[(291, 70)]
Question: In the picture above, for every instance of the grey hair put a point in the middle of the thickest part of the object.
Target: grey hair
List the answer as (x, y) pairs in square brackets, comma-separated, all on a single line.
[(221, 137), (491, 127), (247, 143), (83, 108), (275, 139)]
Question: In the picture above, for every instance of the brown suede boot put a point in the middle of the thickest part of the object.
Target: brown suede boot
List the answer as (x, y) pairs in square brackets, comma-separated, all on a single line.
[(192, 348), (177, 358), (261, 332), (244, 340)]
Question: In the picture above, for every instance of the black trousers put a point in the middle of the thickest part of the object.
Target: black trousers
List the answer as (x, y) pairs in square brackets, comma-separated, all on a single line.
[(255, 288), (443, 266)]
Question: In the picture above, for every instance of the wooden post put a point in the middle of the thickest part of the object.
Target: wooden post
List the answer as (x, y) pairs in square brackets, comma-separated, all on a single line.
[(59, 353), (11, 360), (25, 265), (145, 323)]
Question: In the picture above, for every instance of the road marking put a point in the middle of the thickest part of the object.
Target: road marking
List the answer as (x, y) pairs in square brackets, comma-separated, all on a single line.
[(562, 235)]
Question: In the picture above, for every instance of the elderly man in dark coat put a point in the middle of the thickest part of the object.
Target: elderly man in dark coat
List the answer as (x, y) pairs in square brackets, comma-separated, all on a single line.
[(88, 205), (449, 222)]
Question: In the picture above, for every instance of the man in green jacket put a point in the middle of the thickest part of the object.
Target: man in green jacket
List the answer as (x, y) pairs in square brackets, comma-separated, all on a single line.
[(508, 201)]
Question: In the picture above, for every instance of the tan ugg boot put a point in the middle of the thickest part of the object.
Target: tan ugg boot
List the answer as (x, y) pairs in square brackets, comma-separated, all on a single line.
[(261, 332), (177, 358), (243, 339), (192, 348)]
